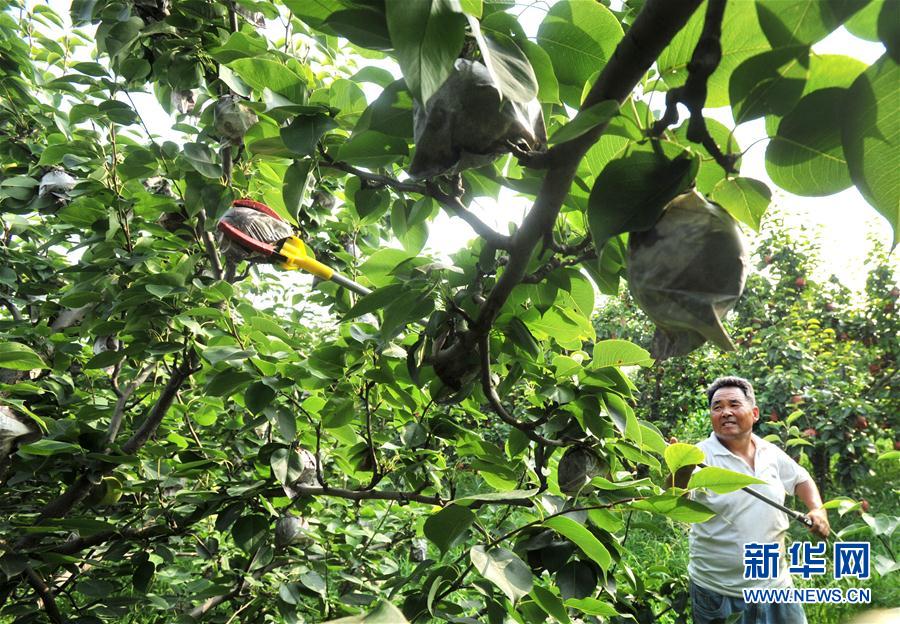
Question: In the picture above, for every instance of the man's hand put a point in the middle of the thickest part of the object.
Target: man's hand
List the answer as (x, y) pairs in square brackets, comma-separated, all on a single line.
[(819, 517)]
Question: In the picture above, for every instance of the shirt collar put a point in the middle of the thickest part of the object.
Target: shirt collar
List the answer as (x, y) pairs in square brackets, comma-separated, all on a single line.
[(717, 448)]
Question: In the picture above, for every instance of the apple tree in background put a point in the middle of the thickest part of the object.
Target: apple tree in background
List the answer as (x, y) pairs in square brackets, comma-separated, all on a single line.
[(188, 436)]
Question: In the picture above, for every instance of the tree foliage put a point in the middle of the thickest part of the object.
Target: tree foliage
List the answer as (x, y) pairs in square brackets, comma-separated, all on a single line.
[(220, 443)]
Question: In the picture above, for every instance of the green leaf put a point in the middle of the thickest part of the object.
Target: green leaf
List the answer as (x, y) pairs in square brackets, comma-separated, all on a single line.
[(376, 300), (580, 38), (304, 132), (802, 22), (504, 569), (258, 396), (522, 337), (680, 454), (372, 149), (870, 134), (630, 192), (249, 532), (384, 613), (770, 83), (745, 199), (741, 39), (507, 64), (363, 25), (17, 356), (619, 353), (104, 359), (721, 480), (495, 496), (805, 157), (592, 606), (227, 382), (447, 526), (238, 45), (428, 36), (262, 73), (46, 448), (550, 603), (203, 159), (677, 508), (582, 538), (296, 184), (585, 121)]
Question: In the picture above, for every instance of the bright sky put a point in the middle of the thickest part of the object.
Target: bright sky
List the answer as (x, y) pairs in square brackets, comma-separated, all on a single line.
[(842, 223)]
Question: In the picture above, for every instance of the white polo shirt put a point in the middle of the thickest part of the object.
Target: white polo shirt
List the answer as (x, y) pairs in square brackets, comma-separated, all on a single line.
[(717, 545)]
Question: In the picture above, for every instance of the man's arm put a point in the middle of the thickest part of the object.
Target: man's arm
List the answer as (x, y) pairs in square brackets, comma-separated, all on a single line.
[(809, 494)]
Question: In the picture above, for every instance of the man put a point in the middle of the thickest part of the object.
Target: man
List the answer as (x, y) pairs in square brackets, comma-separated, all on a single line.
[(716, 567)]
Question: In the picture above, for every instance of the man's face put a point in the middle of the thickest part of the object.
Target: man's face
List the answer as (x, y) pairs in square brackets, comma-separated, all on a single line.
[(731, 414)]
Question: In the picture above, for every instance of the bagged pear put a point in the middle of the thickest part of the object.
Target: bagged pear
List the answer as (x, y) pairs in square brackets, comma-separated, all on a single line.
[(467, 124), (686, 273)]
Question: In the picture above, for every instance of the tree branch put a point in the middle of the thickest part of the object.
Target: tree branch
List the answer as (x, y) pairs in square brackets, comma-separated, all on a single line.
[(13, 310), (692, 94), (658, 22), (46, 595), (450, 202), (123, 395), (487, 387)]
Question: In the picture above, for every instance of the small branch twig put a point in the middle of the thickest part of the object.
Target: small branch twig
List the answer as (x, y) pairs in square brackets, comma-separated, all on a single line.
[(556, 263), (692, 94), (450, 202), (115, 422), (497, 405), (46, 595)]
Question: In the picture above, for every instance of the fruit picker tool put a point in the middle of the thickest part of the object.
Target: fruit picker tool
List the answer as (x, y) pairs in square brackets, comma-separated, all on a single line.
[(289, 252)]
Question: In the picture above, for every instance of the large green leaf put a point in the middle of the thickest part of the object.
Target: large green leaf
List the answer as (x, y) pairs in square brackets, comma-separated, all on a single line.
[(550, 603), (802, 22), (680, 454), (428, 36), (721, 480), (677, 508), (504, 569), (263, 73), (581, 537), (384, 613), (17, 356), (580, 38), (741, 39), (630, 192), (304, 132), (446, 526), (372, 149), (745, 199), (250, 532), (770, 83), (805, 157), (870, 134), (619, 353)]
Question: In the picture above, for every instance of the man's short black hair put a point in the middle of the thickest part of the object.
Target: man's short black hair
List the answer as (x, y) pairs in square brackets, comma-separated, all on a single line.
[(732, 382)]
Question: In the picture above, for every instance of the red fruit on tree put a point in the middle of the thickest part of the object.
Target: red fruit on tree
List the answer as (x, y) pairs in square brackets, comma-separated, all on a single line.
[(800, 282), (861, 422), (773, 417), (768, 259), (796, 399), (830, 307), (864, 505), (874, 368), (895, 292), (809, 433), (888, 307)]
